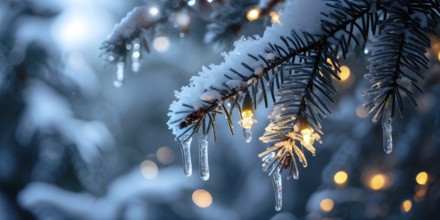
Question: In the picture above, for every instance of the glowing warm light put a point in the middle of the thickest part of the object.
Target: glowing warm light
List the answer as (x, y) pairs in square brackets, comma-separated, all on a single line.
[(253, 14), (326, 205), (275, 17), (422, 178), (438, 56), (420, 193), (329, 61), (153, 11), (345, 73), (202, 198), (247, 120), (149, 169), (340, 177), (161, 44), (165, 155), (361, 112), (377, 181), (406, 206), (307, 134)]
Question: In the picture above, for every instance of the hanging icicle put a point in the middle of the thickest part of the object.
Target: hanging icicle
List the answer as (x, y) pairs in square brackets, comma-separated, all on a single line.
[(203, 156), (387, 129), (278, 189), (247, 120), (186, 155), (119, 74)]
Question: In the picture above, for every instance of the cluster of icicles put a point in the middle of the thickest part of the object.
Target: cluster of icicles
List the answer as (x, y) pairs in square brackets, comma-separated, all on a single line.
[(135, 48)]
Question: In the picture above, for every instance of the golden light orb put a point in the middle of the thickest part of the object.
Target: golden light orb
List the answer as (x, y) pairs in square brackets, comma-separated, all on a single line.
[(253, 14), (326, 205), (377, 181), (340, 177), (345, 73), (202, 198), (406, 206), (422, 178)]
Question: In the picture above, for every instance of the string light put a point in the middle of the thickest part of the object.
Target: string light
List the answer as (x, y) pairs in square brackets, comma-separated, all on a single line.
[(406, 206), (345, 73), (340, 177), (253, 14), (247, 120), (306, 132), (422, 178), (275, 17), (377, 181), (202, 198), (326, 205)]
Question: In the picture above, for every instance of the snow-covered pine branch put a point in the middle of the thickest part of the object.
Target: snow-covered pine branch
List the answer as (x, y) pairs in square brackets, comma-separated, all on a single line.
[(302, 58)]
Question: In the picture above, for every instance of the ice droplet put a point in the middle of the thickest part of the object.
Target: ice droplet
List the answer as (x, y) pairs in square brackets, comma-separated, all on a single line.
[(387, 129), (186, 155), (203, 156), (247, 135), (278, 189), (119, 74)]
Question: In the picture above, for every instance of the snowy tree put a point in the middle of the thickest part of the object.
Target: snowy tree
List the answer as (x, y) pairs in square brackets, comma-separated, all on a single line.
[(90, 147)]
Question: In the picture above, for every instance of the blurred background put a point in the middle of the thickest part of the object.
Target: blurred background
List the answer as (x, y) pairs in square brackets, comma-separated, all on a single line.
[(74, 146)]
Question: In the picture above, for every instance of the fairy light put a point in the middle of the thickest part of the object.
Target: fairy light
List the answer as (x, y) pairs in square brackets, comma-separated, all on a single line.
[(326, 205), (275, 17), (340, 177), (377, 181), (345, 73), (253, 14), (202, 198), (406, 206), (247, 120), (422, 178), (306, 131)]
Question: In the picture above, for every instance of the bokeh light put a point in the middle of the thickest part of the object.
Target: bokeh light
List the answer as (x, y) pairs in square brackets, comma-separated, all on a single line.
[(253, 14), (361, 112), (340, 177), (422, 178), (202, 198), (149, 169), (345, 72), (275, 17), (161, 44), (406, 206), (377, 181), (165, 155), (326, 205)]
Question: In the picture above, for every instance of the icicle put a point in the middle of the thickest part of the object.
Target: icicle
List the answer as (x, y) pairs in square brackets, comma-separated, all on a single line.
[(277, 186), (135, 56), (186, 154), (119, 74), (247, 135), (203, 156), (267, 160), (387, 131)]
